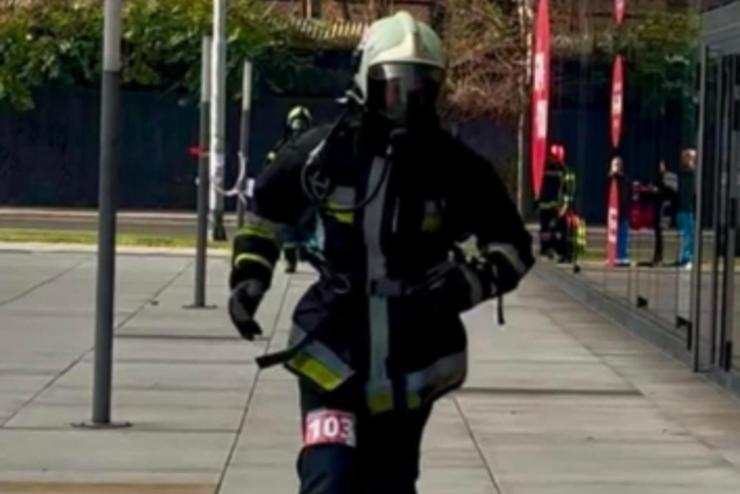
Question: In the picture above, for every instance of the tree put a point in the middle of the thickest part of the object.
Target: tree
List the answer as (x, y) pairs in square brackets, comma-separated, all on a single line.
[(59, 42), (486, 47)]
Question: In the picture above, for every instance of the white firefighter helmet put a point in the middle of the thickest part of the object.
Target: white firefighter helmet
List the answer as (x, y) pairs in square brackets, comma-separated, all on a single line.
[(299, 118), (401, 62)]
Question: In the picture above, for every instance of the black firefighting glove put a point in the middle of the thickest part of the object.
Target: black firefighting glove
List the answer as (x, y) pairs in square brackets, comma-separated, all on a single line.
[(243, 302), (463, 285)]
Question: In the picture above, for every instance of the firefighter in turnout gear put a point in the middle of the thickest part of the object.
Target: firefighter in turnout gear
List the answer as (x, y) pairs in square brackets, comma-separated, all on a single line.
[(551, 199), (378, 338), (298, 121), (568, 239)]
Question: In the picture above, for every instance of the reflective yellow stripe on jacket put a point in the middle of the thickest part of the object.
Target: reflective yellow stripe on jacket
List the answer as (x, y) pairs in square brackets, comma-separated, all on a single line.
[(256, 243), (424, 385), (318, 363)]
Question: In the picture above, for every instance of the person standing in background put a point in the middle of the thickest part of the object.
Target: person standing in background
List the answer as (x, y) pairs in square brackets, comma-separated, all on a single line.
[(685, 207), (664, 205)]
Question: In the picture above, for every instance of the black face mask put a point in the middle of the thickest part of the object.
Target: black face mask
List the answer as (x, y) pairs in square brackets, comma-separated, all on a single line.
[(403, 95)]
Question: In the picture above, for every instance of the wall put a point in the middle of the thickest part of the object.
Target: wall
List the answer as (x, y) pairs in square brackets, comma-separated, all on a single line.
[(49, 156)]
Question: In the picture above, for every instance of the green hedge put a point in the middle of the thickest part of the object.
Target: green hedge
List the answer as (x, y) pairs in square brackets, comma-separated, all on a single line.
[(59, 42)]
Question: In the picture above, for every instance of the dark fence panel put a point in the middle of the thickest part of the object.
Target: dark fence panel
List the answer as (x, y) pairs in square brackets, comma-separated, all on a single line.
[(49, 156)]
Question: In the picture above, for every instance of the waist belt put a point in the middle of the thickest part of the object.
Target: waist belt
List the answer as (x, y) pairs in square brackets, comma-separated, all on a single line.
[(383, 287), (346, 283), (389, 287), (379, 287)]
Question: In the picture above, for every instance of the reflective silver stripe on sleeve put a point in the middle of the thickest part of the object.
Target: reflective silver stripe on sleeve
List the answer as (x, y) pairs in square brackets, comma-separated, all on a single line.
[(254, 221), (511, 255), (343, 196), (376, 268), (442, 371)]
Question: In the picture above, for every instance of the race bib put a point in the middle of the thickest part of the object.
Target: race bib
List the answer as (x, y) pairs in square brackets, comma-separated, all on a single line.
[(330, 427)]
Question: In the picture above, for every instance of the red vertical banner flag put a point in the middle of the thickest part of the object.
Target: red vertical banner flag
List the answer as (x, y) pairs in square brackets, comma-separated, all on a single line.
[(612, 223), (617, 110), (540, 93), (620, 9)]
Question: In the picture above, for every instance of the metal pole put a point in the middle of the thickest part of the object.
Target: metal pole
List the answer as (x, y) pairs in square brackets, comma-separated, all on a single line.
[(109, 142), (522, 161), (244, 138), (699, 363), (218, 118), (203, 179), (525, 17)]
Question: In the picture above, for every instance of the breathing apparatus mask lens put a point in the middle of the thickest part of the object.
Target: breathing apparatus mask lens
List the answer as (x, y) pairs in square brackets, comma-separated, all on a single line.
[(298, 124), (403, 94)]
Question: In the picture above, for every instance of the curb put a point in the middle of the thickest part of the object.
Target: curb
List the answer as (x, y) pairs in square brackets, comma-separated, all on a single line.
[(47, 248)]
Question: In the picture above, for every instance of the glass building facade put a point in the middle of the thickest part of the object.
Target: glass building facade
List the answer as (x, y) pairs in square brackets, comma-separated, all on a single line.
[(654, 146)]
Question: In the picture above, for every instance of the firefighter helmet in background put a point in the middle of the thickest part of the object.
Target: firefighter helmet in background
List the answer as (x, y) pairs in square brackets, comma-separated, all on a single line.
[(400, 66), (557, 154), (299, 119)]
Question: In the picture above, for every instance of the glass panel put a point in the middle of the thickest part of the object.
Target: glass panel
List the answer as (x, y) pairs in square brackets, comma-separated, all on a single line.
[(718, 200), (730, 186), (725, 184), (709, 199), (736, 284), (657, 44)]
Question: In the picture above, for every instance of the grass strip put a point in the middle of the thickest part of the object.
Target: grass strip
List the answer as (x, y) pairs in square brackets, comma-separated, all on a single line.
[(87, 237)]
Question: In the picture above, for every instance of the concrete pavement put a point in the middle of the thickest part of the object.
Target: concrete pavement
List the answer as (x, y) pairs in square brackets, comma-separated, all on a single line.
[(558, 401)]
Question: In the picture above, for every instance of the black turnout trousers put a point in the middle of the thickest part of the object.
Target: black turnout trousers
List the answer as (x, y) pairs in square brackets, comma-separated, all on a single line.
[(385, 459)]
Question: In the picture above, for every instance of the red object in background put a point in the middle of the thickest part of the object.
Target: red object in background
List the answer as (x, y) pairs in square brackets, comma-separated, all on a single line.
[(196, 152), (620, 9), (612, 223), (557, 153), (617, 111), (540, 94)]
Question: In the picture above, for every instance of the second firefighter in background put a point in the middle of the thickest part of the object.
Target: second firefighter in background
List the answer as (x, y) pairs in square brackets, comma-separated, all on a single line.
[(559, 228), (298, 121)]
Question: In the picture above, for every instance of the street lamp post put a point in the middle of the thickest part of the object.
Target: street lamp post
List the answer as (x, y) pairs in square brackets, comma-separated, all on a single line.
[(244, 142), (201, 255), (109, 157), (217, 151)]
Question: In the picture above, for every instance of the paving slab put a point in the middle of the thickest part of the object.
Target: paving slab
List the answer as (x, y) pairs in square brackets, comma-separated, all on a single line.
[(666, 462), (558, 401), (598, 416), (24, 272), (89, 455)]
